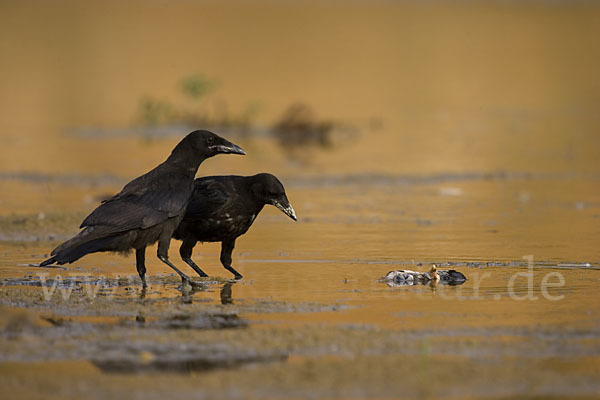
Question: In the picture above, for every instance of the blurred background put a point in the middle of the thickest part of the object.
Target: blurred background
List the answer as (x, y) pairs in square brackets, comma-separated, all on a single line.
[(395, 87)]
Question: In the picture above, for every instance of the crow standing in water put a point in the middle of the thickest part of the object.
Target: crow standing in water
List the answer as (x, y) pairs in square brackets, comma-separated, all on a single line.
[(223, 208), (148, 209)]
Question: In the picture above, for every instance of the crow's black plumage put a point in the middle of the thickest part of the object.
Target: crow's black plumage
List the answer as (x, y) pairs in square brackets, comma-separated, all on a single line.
[(148, 209), (223, 208)]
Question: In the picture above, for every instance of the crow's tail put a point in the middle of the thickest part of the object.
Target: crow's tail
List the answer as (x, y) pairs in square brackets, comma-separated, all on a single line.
[(49, 261), (86, 242)]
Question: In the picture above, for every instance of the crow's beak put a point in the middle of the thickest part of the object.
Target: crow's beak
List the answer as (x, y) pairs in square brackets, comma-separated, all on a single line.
[(287, 210), (227, 148)]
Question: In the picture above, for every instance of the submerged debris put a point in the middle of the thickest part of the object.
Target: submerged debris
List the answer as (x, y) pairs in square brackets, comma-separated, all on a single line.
[(203, 321), (171, 360), (299, 127)]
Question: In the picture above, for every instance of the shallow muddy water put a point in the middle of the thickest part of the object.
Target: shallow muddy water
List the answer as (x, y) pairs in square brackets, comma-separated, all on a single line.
[(467, 137), (309, 315)]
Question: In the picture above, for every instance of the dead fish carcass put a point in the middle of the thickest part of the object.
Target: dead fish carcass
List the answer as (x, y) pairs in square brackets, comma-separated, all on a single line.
[(405, 277)]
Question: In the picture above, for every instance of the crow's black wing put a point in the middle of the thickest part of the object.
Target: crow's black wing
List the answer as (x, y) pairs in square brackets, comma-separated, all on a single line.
[(210, 196), (149, 204)]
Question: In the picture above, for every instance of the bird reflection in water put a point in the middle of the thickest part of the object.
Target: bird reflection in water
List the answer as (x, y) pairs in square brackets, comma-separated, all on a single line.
[(226, 293), (187, 291)]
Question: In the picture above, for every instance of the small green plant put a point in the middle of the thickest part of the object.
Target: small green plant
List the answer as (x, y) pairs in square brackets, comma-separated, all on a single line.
[(197, 86), (198, 108), (154, 111)]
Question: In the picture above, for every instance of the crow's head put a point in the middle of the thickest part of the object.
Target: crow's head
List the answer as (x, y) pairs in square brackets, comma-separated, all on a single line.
[(206, 144), (269, 190), (215, 143)]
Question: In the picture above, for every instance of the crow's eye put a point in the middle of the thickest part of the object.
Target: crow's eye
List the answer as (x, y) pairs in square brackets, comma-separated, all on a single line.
[(210, 140)]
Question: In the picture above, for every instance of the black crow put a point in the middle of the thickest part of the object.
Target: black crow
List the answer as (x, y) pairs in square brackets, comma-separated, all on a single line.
[(148, 209), (223, 208)]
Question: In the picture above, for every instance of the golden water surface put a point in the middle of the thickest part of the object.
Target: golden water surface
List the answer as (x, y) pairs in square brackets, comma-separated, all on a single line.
[(474, 144)]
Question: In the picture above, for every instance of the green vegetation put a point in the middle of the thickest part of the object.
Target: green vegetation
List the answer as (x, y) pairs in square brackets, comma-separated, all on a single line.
[(199, 106)]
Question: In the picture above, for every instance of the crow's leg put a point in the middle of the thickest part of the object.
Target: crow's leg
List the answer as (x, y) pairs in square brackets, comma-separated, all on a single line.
[(140, 263), (186, 255), (226, 250), (163, 255)]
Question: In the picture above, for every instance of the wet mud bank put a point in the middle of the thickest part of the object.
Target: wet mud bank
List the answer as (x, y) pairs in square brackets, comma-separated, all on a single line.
[(310, 318), (217, 341)]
